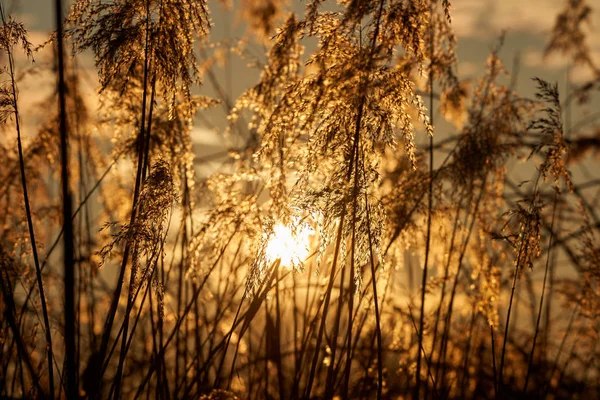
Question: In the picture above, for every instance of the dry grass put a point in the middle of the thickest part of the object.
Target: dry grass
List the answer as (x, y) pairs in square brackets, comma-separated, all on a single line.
[(329, 256)]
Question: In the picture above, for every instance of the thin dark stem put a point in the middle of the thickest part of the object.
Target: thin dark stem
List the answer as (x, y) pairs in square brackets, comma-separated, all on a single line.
[(494, 362), (376, 304), (448, 320), (537, 324), (353, 159), (329, 382), (72, 368), (506, 325), (38, 271), (429, 213), (560, 350), (134, 208), (351, 291), (328, 291), (9, 315), (277, 342), (444, 280), (427, 361)]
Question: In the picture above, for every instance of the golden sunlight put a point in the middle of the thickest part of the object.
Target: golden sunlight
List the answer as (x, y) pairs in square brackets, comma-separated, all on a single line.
[(289, 245)]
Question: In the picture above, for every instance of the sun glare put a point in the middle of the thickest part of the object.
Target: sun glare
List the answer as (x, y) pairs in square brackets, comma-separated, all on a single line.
[(291, 246)]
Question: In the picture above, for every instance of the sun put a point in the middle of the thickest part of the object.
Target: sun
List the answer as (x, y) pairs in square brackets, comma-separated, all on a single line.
[(289, 245)]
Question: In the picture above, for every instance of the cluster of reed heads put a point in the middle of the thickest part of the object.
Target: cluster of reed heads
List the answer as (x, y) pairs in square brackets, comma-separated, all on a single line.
[(376, 226)]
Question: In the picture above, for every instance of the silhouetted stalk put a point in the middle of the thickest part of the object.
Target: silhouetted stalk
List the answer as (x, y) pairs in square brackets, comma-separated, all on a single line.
[(307, 333), (180, 319), (367, 370), (353, 159), (146, 162), (429, 212), (148, 289), (537, 324), (126, 340), (9, 315), (351, 294), (125, 327), (444, 280), (84, 238), (160, 327), (237, 345), (361, 324), (512, 293), (60, 234), (160, 357), (376, 304), (448, 322), (328, 291), (339, 238), (4, 386), (138, 184), (506, 325), (560, 350), (336, 325), (228, 340), (547, 329), (494, 362), (251, 312), (134, 269), (267, 338), (133, 273), (187, 223), (182, 283), (155, 336), (330, 371), (433, 381), (38, 271), (72, 369), (120, 334), (567, 131), (297, 366), (83, 203), (280, 380), (532, 300), (355, 194), (572, 355), (440, 364), (197, 336)]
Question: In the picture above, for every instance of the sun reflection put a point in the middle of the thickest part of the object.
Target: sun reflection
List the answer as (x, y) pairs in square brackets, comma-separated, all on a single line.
[(289, 245)]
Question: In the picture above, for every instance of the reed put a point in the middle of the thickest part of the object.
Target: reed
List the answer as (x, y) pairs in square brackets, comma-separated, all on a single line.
[(337, 244)]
